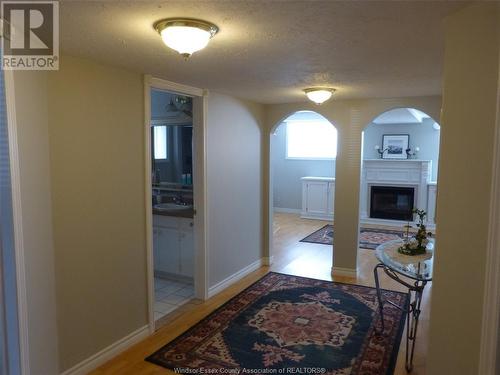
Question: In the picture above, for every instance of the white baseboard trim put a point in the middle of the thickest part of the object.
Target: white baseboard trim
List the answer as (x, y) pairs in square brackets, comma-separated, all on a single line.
[(221, 285), (267, 261), (305, 215), (347, 272), (287, 210), (108, 353)]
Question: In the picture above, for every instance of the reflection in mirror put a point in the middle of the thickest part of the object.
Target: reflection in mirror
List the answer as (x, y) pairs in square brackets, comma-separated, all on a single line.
[(172, 154), (171, 138), (160, 142)]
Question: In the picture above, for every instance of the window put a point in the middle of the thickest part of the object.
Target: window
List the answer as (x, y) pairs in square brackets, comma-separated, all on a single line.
[(160, 142), (311, 139)]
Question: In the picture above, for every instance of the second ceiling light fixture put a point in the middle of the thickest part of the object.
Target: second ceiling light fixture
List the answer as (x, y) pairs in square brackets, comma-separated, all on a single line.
[(319, 95)]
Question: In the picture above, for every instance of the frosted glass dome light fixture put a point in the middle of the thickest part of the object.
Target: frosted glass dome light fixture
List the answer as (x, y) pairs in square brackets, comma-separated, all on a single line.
[(319, 95), (185, 35)]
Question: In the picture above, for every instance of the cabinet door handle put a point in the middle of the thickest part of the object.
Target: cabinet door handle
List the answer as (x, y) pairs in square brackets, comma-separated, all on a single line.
[(191, 224)]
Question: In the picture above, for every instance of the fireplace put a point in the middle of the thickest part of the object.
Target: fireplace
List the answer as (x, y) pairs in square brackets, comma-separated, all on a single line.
[(391, 202)]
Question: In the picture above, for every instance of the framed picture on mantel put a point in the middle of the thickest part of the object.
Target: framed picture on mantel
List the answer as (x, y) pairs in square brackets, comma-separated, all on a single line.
[(395, 145)]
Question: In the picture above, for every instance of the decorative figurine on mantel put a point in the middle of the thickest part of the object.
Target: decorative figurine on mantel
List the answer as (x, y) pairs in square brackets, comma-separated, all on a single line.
[(380, 152), (416, 245), (412, 154)]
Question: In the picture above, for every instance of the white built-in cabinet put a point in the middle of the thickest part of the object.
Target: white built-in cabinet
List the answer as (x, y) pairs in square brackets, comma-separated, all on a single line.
[(173, 245), (318, 194)]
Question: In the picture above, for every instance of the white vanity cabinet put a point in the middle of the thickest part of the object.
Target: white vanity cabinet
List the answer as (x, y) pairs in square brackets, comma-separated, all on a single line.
[(318, 197), (173, 245), (166, 249), (186, 245)]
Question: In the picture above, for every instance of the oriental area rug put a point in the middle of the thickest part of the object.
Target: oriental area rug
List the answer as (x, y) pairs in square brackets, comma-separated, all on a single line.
[(286, 324), (368, 238)]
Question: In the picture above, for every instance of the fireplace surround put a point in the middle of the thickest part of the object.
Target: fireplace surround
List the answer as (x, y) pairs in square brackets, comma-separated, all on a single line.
[(404, 173)]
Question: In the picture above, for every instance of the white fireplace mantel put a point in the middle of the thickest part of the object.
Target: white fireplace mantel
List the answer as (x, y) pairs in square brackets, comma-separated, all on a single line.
[(395, 172)]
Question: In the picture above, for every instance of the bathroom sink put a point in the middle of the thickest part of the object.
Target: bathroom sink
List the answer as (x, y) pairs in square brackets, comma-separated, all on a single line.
[(171, 207)]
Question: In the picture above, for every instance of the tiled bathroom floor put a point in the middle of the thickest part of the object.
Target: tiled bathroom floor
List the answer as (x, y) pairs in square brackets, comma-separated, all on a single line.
[(169, 295)]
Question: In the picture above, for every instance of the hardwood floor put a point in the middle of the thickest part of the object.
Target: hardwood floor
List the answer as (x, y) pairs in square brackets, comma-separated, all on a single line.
[(291, 257)]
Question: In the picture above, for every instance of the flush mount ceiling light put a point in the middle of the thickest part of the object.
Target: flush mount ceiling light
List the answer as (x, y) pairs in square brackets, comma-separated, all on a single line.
[(319, 95), (185, 35)]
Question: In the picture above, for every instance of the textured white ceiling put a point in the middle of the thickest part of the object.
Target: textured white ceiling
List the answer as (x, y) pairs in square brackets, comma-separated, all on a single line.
[(268, 51)]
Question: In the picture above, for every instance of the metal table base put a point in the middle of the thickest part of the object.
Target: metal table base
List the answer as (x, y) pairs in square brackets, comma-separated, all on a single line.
[(411, 309)]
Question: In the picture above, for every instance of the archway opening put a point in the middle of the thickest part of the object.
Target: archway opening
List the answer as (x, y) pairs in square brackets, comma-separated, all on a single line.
[(303, 150), (400, 154)]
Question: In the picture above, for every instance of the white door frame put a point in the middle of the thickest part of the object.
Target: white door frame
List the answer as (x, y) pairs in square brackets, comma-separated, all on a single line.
[(22, 303), (491, 302), (199, 185)]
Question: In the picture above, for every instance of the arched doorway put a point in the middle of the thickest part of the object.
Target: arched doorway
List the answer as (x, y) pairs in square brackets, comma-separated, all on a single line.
[(303, 149), (400, 153)]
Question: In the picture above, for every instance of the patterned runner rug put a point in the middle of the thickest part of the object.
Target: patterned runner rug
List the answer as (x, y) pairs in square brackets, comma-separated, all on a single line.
[(286, 324), (368, 239)]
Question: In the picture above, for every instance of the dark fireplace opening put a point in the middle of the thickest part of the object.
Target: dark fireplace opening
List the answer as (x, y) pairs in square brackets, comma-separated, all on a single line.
[(391, 202)]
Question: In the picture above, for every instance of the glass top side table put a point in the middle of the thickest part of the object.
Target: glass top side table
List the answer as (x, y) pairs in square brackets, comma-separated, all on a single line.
[(417, 272), (415, 267)]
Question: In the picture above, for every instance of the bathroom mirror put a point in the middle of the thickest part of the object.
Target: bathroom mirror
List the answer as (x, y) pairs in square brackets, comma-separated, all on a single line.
[(171, 149)]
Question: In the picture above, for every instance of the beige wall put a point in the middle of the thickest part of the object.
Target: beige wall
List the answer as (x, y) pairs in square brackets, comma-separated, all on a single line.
[(97, 169), (33, 148), (89, 119), (350, 117), (234, 179), (470, 100)]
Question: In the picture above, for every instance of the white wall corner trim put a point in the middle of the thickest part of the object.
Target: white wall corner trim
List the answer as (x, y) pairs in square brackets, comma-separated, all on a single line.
[(491, 301), (109, 352), (221, 285), (18, 222), (148, 196), (347, 272)]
